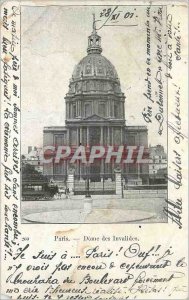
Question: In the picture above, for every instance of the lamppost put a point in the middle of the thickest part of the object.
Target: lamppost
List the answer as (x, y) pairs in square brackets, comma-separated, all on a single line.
[(122, 194), (66, 178), (88, 187)]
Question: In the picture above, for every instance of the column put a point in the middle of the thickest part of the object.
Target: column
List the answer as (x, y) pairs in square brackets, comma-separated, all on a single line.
[(101, 135), (138, 170), (67, 110), (108, 139), (71, 110), (101, 143), (70, 181), (77, 136), (81, 135), (87, 136), (123, 108), (94, 110), (112, 135), (76, 108), (64, 169), (68, 116), (110, 108), (79, 108), (68, 137), (113, 115)]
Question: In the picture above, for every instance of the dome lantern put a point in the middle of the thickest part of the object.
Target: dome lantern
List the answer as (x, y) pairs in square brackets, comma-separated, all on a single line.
[(94, 71), (94, 40)]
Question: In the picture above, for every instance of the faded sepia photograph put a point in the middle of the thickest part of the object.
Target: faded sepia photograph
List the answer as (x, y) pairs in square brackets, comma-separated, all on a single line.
[(94, 114), (94, 140)]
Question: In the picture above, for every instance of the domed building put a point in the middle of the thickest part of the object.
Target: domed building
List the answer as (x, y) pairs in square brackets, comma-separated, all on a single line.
[(95, 115)]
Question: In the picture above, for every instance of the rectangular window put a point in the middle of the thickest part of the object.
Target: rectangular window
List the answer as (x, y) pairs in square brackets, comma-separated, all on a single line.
[(73, 136), (105, 135), (38, 188), (117, 136), (131, 140), (74, 111), (116, 110), (84, 136), (87, 109), (59, 140), (102, 109)]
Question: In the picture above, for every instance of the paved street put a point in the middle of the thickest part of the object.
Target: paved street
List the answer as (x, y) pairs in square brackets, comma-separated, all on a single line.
[(147, 207)]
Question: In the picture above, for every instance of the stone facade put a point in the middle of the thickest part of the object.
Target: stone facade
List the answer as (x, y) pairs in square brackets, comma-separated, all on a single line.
[(95, 115)]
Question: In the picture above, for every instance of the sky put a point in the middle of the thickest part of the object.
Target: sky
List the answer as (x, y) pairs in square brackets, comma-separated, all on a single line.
[(54, 40)]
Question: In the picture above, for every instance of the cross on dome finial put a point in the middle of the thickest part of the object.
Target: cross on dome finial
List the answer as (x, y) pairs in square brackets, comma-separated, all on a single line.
[(94, 23), (94, 40)]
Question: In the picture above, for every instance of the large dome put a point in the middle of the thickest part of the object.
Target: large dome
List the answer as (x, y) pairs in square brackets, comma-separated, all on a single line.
[(94, 73), (95, 65), (94, 88)]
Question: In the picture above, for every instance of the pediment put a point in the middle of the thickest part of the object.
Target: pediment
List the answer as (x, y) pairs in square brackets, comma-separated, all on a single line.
[(95, 118)]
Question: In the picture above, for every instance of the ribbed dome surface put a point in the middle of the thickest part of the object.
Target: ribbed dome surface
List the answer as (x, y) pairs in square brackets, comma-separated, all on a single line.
[(94, 73), (94, 65)]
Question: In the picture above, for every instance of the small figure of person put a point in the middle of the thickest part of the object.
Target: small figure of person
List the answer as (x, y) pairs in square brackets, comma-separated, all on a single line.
[(67, 192)]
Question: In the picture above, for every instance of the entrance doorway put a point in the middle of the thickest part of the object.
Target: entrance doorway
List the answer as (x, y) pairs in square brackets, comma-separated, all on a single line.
[(94, 136), (95, 170)]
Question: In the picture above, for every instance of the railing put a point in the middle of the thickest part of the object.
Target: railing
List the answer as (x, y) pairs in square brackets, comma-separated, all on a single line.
[(94, 183), (143, 188)]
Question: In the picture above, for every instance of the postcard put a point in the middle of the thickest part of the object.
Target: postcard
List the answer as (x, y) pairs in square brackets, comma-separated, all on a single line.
[(94, 150)]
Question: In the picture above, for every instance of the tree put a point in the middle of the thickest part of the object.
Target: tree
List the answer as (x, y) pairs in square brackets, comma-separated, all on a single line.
[(29, 172)]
